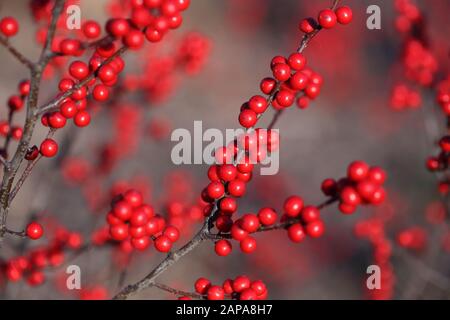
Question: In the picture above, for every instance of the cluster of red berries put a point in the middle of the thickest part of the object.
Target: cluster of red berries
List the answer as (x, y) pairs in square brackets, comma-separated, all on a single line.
[(419, 63), (409, 15), (134, 224), (443, 95), (403, 98), (414, 238), (441, 162), (241, 288), (160, 75), (9, 26), (363, 185), (327, 19), (15, 104), (373, 229), (31, 266)]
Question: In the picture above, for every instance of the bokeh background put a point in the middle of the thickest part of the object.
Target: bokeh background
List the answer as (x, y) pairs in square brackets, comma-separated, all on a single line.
[(350, 120)]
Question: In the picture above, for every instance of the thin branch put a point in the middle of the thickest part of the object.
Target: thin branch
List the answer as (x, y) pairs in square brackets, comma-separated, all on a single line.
[(177, 292), (16, 53), (53, 104)]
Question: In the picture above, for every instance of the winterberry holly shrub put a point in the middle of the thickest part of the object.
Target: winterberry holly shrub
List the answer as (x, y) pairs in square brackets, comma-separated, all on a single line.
[(110, 76)]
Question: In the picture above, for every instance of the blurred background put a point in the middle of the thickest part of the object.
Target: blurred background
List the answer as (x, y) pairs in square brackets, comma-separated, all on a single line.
[(351, 119)]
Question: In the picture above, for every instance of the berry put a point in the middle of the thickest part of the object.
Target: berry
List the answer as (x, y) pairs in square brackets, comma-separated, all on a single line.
[(307, 25), (296, 232), (202, 285), (172, 233), (34, 231), (236, 188), (267, 216), (248, 245), (163, 244), (91, 29), (327, 18), (223, 248), (241, 283), (215, 293), (297, 61), (215, 190), (344, 15), (248, 118), (293, 206), (100, 92), (141, 243), (248, 294), (315, 229), (258, 104), (79, 70), (281, 71), (9, 26), (249, 222), (117, 27), (310, 214), (357, 171), (48, 148), (134, 39), (119, 232), (82, 119)]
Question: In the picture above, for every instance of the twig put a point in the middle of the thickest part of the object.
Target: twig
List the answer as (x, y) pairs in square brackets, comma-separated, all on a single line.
[(20, 57), (177, 292)]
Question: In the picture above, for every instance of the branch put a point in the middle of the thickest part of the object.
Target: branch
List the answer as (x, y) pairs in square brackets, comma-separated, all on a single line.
[(204, 232), (19, 56), (177, 292), (30, 122)]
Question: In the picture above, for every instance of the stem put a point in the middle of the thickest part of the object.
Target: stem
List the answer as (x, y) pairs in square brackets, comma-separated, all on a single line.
[(20, 57)]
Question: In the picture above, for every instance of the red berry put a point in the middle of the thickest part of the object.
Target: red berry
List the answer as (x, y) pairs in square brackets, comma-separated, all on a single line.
[(118, 27), (248, 245), (285, 98), (153, 35), (344, 15), (34, 230), (48, 148), (123, 210), (308, 25), (241, 283), (56, 120), (100, 92), (293, 206), (310, 214), (79, 70), (223, 248), (267, 216), (91, 29), (215, 190), (327, 18), (267, 85), (227, 172), (236, 188), (248, 294), (258, 104), (68, 109), (69, 47), (119, 232), (215, 293), (202, 285), (228, 205), (315, 229), (350, 196), (281, 71), (298, 81), (134, 39), (9, 26), (172, 233), (296, 232), (237, 233), (163, 244), (249, 222), (377, 175), (248, 118), (357, 170), (141, 243), (297, 61), (82, 119)]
